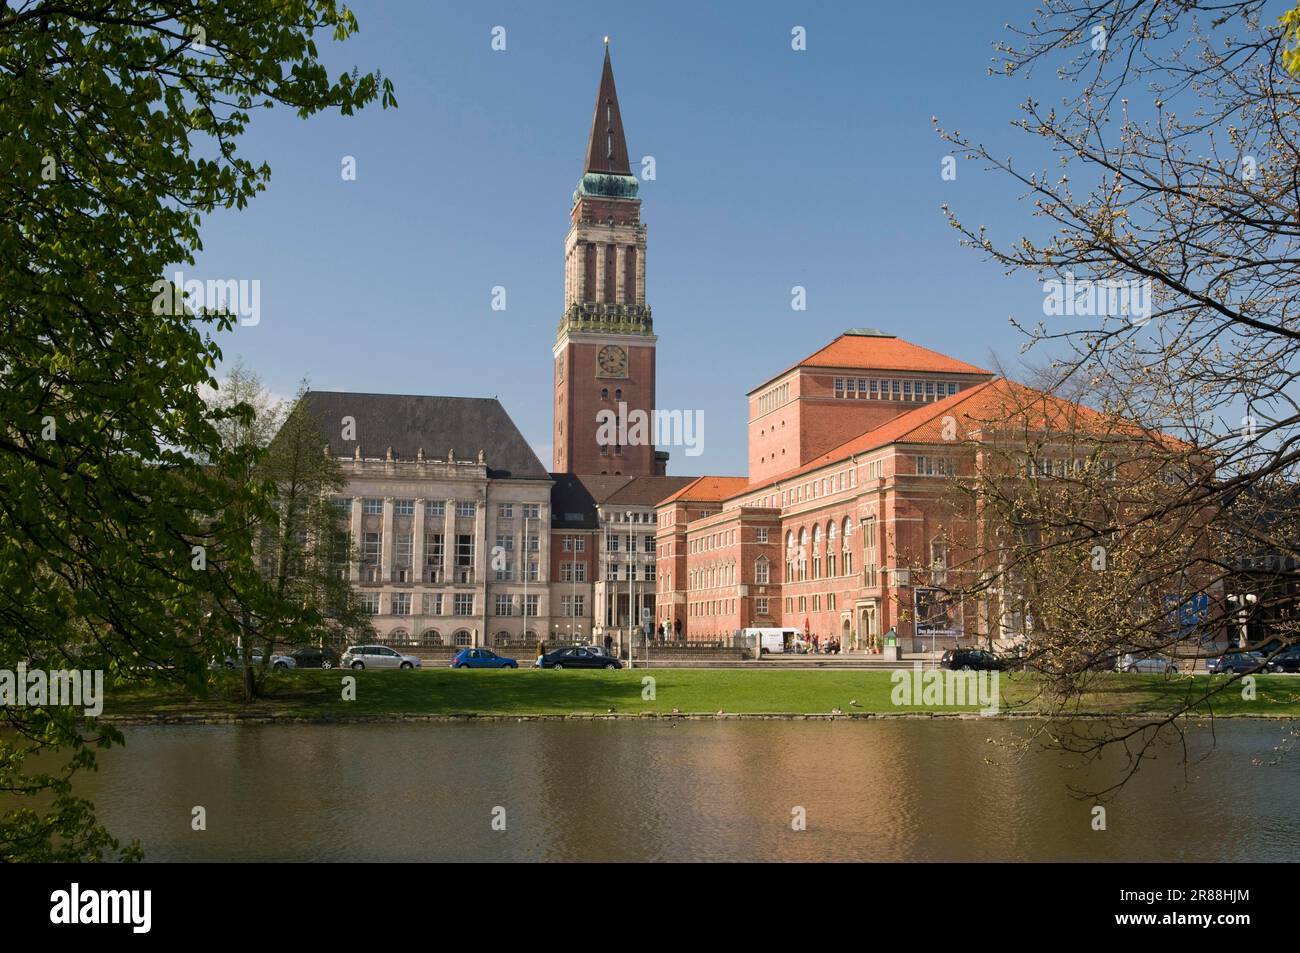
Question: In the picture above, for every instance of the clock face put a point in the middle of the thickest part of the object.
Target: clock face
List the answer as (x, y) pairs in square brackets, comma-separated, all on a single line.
[(612, 361)]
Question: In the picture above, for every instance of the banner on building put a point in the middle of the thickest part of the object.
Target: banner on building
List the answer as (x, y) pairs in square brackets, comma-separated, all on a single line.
[(938, 612)]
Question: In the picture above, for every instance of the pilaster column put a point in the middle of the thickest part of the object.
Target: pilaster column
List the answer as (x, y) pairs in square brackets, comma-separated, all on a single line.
[(599, 249), (417, 546), (386, 553), (640, 274), (620, 267), (354, 569), (480, 542), (449, 542)]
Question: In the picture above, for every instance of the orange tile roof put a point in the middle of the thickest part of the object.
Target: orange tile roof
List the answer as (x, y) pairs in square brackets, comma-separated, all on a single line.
[(998, 402), (708, 488), (880, 352)]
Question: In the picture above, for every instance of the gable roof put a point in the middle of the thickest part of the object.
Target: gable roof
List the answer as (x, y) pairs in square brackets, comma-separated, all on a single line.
[(708, 489), (592, 491), (1001, 403), (437, 425), (871, 350)]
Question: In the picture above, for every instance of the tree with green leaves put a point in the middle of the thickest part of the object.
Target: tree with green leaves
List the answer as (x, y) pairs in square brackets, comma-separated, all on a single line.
[(123, 523)]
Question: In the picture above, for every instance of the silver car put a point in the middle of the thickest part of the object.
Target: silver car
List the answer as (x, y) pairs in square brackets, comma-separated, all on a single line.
[(376, 656), (1160, 664)]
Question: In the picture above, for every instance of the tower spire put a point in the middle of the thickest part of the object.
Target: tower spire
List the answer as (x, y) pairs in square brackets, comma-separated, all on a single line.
[(606, 146)]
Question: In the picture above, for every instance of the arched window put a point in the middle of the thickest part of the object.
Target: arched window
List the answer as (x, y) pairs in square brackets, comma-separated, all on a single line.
[(501, 638), (830, 549), (848, 553), (817, 552), (463, 638), (399, 637), (762, 572), (430, 637), (618, 393), (604, 393)]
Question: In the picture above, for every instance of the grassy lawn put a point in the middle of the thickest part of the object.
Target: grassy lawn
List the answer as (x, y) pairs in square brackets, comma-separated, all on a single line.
[(317, 694)]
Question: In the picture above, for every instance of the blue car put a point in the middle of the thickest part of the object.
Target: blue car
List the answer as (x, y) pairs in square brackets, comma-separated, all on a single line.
[(481, 658)]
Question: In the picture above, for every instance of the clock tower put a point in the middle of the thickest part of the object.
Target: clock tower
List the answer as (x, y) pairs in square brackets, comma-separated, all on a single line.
[(605, 346)]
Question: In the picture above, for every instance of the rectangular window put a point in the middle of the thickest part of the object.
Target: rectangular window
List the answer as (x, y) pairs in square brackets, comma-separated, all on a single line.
[(579, 544), (370, 603), (432, 603), (530, 605), (401, 603), (875, 390), (464, 604), (762, 534), (907, 390), (504, 569), (505, 511), (403, 507), (436, 508), (761, 605), (895, 390), (504, 607), (839, 387), (942, 466), (402, 550), (372, 507), (371, 544), (506, 543), (567, 544), (532, 511), (762, 573), (868, 552), (466, 508), (531, 569)]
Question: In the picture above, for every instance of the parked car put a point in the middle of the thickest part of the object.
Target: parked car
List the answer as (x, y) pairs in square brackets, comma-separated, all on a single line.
[(277, 661), (376, 656), (1152, 662), (578, 658), (481, 658), (312, 656), (966, 660), (1237, 662), (1288, 660)]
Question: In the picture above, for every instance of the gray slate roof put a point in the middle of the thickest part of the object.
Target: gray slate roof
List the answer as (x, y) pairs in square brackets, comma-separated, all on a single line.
[(574, 497), (407, 423)]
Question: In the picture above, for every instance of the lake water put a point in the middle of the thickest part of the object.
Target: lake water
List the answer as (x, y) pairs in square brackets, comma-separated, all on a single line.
[(725, 790)]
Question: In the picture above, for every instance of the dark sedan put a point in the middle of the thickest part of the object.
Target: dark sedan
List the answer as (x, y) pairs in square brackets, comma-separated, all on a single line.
[(1288, 660), (578, 658), (970, 660), (1236, 662), (311, 656)]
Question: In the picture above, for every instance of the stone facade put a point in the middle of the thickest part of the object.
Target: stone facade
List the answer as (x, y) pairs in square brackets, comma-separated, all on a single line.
[(448, 555)]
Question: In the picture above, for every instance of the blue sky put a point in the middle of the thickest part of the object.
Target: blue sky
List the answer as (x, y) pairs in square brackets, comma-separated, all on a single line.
[(775, 168)]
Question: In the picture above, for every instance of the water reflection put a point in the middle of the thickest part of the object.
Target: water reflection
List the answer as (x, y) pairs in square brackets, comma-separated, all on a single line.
[(611, 791)]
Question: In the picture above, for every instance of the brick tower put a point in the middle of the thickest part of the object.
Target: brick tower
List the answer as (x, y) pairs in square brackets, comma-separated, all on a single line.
[(605, 345)]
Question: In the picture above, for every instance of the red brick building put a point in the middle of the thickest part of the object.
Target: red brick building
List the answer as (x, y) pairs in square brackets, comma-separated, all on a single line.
[(855, 538)]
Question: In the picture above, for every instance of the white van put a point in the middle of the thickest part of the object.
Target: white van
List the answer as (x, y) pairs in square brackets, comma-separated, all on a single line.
[(770, 641)]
